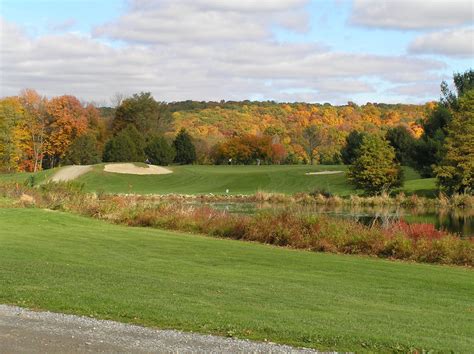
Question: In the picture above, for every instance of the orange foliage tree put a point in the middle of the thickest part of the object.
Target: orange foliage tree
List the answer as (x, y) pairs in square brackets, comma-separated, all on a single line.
[(67, 119)]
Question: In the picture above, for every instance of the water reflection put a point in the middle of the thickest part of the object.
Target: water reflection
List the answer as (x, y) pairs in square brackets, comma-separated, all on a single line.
[(458, 221)]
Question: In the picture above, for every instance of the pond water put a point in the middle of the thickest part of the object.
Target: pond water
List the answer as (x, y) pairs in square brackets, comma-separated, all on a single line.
[(456, 221)]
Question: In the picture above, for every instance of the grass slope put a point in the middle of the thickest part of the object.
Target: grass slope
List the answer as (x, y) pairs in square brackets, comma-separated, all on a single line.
[(67, 263), (237, 179), (196, 179)]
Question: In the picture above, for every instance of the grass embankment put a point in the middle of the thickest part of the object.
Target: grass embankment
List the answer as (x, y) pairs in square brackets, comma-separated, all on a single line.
[(289, 227), (66, 263), (288, 179)]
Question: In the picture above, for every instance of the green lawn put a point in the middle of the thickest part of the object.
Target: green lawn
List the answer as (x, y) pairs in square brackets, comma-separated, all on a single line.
[(66, 263), (237, 179), (39, 177)]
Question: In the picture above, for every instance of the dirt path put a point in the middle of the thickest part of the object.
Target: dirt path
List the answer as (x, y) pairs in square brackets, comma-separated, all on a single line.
[(24, 331), (130, 168), (69, 173)]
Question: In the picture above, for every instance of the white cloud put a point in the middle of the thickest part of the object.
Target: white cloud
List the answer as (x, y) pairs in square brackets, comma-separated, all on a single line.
[(412, 14), (171, 21), (197, 59), (453, 43), (423, 90)]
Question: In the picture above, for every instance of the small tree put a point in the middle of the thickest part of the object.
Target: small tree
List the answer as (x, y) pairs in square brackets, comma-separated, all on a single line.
[(185, 150), (83, 151), (456, 171), (159, 152), (375, 168)]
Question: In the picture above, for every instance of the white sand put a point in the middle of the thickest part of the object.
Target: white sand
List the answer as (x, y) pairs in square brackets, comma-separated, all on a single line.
[(69, 173), (323, 173), (130, 168)]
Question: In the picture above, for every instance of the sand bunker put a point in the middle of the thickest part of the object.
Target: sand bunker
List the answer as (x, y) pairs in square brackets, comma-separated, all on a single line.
[(323, 173), (69, 173), (131, 169)]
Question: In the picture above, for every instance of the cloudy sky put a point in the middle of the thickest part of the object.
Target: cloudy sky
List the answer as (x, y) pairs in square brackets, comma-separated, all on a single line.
[(286, 50)]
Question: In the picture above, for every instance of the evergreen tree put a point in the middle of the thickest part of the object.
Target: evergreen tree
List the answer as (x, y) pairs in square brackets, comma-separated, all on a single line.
[(127, 146), (403, 142), (185, 150), (119, 149), (456, 172), (138, 140), (375, 169), (159, 152), (83, 151), (353, 142)]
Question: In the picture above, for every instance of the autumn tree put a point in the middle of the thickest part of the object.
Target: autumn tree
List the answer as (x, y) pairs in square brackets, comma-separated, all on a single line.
[(375, 168), (67, 120), (456, 171), (246, 149), (11, 116), (311, 140), (33, 130), (184, 147)]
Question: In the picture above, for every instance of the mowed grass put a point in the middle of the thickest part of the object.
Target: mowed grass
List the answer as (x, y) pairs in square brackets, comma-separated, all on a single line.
[(22, 177), (198, 179), (66, 263), (195, 179)]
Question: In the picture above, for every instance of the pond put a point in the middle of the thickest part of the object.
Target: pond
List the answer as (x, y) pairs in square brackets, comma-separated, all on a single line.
[(457, 221)]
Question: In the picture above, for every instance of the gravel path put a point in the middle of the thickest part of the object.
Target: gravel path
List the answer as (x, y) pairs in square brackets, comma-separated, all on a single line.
[(69, 173), (25, 331)]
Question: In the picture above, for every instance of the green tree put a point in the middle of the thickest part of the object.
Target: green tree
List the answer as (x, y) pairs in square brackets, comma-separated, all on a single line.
[(83, 151), (463, 82), (127, 146), (353, 142), (403, 142), (375, 168), (429, 150), (142, 111), (184, 147), (456, 171), (159, 152)]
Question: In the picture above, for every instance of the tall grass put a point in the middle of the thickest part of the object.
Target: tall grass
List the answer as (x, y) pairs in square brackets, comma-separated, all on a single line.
[(287, 228)]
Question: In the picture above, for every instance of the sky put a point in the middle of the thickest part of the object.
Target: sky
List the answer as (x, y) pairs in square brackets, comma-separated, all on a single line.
[(392, 51)]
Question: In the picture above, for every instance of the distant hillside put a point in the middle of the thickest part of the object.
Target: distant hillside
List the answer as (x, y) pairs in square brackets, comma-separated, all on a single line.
[(211, 122)]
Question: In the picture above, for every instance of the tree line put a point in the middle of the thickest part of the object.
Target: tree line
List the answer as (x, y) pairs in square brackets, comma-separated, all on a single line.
[(38, 133)]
